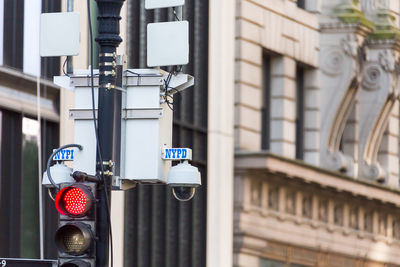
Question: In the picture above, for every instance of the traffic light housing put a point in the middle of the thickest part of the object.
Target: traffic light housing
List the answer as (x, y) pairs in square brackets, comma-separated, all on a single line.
[(75, 236)]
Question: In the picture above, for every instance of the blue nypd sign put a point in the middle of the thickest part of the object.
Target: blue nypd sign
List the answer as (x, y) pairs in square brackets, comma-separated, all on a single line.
[(65, 154), (177, 153)]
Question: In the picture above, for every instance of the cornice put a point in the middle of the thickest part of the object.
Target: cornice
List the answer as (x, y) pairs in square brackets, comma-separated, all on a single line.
[(266, 161)]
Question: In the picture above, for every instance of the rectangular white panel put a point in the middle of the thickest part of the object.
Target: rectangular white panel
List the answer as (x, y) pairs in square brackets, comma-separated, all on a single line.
[(59, 34), (151, 4), (168, 43), (84, 134), (142, 150), (31, 58)]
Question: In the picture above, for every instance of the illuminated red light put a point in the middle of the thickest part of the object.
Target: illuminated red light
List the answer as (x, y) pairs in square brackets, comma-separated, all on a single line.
[(74, 200)]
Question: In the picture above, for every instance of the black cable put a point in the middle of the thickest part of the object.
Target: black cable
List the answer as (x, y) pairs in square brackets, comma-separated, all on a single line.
[(50, 160), (63, 67), (176, 16), (96, 128), (142, 75)]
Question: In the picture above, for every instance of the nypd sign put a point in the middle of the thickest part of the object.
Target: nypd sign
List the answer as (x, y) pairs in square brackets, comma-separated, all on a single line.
[(65, 154), (177, 153)]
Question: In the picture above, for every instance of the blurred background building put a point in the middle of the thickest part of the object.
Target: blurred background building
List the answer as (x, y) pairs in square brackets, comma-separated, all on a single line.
[(316, 133), (293, 121)]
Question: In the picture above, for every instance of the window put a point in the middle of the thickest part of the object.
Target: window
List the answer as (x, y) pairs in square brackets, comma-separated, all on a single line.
[(19, 181), (299, 113), (301, 3), (266, 100), (29, 189), (13, 33)]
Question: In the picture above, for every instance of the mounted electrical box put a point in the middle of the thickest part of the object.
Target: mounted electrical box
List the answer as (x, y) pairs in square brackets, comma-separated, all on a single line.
[(82, 114), (146, 126)]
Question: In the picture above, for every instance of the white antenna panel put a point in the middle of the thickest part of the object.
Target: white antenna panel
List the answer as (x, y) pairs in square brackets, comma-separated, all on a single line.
[(152, 4), (59, 34), (168, 43)]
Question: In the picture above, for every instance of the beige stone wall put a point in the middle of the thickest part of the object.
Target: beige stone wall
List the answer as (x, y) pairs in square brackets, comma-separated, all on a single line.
[(276, 211), (291, 34)]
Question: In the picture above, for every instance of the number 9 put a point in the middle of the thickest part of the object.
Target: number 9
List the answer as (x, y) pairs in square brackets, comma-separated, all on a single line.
[(3, 263)]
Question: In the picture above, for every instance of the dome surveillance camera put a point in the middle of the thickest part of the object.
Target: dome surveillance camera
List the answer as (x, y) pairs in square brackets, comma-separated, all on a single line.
[(60, 174), (184, 178)]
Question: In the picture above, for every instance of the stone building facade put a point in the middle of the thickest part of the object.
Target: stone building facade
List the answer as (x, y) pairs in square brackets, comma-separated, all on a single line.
[(317, 133)]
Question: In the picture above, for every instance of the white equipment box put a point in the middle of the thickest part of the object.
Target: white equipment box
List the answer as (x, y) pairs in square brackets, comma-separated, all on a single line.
[(146, 126), (168, 43), (59, 34)]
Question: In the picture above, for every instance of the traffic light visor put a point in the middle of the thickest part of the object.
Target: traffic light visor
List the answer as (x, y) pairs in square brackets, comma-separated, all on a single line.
[(74, 201)]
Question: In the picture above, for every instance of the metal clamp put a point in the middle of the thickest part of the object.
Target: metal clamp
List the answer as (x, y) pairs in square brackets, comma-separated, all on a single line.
[(109, 163), (113, 55), (107, 86), (106, 73), (112, 64), (108, 173)]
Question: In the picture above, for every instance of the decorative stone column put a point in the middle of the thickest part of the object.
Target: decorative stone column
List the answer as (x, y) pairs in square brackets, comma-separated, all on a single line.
[(343, 31), (283, 103), (312, 119), (379, 125)]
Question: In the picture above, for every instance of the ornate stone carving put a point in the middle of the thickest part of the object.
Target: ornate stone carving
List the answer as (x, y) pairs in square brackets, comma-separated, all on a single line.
[(256, 191), (336, 160), (323, 210), (273, 198), (340, 84), (372, 171), (307, 206), (396, 229), (376, 102), (350, 45), (368, 222), (332, 62), (338, 214), (353, 218), (387, 60), (382, 224), (371, 78), (291, 202)]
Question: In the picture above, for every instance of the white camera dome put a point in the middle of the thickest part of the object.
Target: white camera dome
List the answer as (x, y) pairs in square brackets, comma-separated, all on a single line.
[(184, 178), (60, 174)]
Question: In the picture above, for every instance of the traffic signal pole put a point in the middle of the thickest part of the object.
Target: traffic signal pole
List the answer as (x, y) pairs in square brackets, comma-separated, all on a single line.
[(109, 107)]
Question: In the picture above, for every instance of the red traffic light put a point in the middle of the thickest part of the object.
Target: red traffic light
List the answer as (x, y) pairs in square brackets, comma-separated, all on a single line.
[(75, 200)]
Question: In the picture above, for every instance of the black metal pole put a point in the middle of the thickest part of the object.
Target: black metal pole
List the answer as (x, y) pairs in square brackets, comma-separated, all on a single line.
[(108, 40)]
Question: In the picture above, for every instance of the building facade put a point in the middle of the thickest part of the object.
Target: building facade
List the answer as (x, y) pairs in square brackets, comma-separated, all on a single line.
[(316, 133)]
